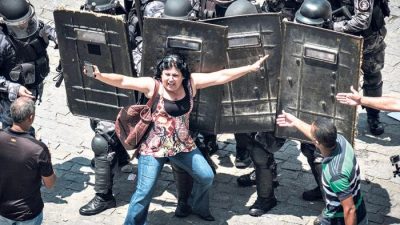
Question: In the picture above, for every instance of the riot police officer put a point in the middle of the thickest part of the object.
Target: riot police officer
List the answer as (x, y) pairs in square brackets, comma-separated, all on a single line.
[(367, 19), (314, 13), (106, 146), (111, 7), (260, 145), (24, 62), (287, 7)]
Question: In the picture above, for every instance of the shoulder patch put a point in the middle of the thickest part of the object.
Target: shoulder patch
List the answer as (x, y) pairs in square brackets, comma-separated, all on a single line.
[(363, 5)]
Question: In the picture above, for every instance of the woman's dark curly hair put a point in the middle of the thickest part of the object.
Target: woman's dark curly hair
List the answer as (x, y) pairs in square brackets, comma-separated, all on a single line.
[(173, 60)]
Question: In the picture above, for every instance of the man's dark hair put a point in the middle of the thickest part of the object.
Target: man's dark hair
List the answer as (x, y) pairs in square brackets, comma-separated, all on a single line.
[(21, 109), (325, 132)]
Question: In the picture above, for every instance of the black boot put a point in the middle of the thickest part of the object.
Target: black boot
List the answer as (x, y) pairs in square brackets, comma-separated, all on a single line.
[(372, 88), (375, 126), (97, 205), (243, 159), (184, 184), (265, 191), (183, 209), (313, 194), (262, 206)]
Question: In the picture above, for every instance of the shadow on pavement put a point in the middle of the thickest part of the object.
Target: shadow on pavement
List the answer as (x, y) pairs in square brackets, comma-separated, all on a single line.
[(72, 177), (391, 137), (378, 204)]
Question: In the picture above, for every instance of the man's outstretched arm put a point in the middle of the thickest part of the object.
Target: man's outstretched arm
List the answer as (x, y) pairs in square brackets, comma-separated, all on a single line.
[(354, 98), (288, 120)]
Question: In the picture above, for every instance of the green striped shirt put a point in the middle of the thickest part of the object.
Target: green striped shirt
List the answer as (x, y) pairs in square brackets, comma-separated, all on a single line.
[(340, 180)]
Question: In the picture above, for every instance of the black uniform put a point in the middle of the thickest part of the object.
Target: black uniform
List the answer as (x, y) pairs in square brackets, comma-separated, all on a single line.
[(23, 62), (367, 20)]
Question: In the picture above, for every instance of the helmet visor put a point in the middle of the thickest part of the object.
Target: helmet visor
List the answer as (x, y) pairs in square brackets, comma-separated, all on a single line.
[(24, 27)]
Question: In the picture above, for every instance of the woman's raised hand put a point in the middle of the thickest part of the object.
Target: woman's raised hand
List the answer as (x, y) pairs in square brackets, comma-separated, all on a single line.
[(91, 70), (257, 65)]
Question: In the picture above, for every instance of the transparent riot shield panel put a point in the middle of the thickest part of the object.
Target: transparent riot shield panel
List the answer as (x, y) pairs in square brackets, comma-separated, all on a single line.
[(316, 65), (249, 103), (203, 47), (100, 40)]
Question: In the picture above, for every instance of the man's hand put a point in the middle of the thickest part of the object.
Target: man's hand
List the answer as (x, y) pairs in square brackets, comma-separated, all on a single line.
[(286, 119), (24, 92), (352, 99)]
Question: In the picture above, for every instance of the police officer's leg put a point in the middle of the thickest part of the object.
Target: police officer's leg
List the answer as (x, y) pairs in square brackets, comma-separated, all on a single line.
[(373, 88), (184, 185), (242, 153), (263, 164), (122, 156), (314, 160), (104, 198), (373, 62), (269, 142), (205, 149), (210, 143)]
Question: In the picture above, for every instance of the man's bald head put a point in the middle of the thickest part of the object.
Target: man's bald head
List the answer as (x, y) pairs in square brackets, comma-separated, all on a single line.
[(21, 109)]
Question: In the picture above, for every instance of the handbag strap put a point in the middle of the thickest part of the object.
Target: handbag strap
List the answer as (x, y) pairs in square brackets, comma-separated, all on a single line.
[(156, 87)]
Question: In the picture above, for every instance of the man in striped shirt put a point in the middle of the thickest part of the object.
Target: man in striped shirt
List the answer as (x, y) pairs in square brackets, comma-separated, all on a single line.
[(341, 180)]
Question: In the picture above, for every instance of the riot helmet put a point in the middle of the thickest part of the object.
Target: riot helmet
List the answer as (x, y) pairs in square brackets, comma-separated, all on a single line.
[(241, 7), (101, 6), (314, 13), (19, 17), (178, 9), (154, 9)]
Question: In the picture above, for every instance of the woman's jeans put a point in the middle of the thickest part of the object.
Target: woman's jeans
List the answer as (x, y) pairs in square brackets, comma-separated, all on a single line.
[(35, 221), (149, 169)]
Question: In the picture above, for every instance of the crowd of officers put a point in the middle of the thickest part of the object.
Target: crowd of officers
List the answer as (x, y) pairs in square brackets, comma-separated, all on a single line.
[(24, 64)]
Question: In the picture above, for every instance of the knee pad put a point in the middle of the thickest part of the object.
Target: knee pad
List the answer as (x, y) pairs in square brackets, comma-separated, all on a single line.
[(100, 145)]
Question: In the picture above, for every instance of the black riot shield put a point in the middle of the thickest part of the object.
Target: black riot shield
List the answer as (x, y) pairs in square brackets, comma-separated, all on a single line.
[(101, 40), (249, 103), (316, 64), (203, 47)]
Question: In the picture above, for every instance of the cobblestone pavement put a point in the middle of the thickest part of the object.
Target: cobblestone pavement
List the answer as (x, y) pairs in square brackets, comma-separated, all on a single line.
[(69, 141)]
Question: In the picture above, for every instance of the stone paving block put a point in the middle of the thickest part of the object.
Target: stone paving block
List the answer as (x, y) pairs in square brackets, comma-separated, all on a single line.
[(377, 218), (297, 201), (291, 164), (60, 154)]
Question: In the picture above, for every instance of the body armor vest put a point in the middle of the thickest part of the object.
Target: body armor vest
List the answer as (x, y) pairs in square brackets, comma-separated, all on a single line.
[(378, 14), (32, 51)]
